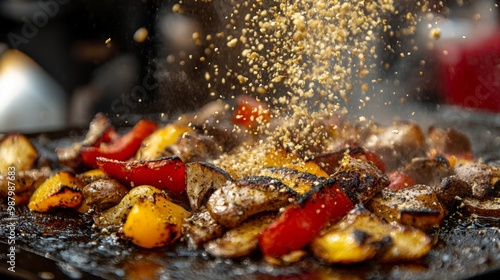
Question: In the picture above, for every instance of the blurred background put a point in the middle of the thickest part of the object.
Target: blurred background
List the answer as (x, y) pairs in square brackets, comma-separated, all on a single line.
[(62, 61)]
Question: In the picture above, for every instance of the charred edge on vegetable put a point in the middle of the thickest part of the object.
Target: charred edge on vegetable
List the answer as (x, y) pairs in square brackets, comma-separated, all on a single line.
[(286, 172), (263, 182), (320, 187), (65, 188), (361, 236), (216, 168), (361, 179), (162, 160)]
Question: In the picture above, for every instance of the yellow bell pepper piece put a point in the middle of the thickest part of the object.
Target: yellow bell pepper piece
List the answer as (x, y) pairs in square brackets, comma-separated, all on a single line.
[(281, 158), (63, 190), (154, 145), (93, 173), (117, 215), (154, 223)]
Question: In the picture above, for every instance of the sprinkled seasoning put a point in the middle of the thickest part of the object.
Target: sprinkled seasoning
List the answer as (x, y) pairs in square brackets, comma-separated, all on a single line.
[(299, 57)]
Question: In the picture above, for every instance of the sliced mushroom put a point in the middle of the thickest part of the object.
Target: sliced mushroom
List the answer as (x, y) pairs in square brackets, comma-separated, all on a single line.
[(449, 141), (240, 241), (483, 179), (201, 180), (486, 208), (301, 182), (237, 200), (451, 191), (428, 171), (396, 144), (200, 228), (416, 206), (360, 179)]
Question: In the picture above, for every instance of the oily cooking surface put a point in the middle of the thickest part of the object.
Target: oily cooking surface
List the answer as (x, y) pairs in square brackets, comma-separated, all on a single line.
[(463, 248)]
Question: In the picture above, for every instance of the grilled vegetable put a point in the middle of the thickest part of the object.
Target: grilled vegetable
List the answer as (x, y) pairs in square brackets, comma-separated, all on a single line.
[(408, 243), (300, 223), (416, 206), (281, 158), (237, 200), (165, 173), (330, 161), (399, 180), (483, 179), (92, 175), (396, 144), (100, 131), (122, 148), (63, 190), (154, 221), (202, 179), (451, 191), (486, 208), (104, 193), (154, 145), (284, 196), (361, 236), (452, 144), (300, 182), (239, 241), (24, 183), (200, 228), (427, 171), (116, 215), (194, 147), (448, 141), (16, 151), (249, 112), (360, 179)]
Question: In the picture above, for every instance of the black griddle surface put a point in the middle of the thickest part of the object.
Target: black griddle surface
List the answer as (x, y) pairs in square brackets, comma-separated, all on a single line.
[(65, 245)]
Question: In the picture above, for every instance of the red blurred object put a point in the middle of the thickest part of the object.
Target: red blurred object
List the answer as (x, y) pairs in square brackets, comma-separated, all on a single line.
[(469, 72), (399, 180), (250, 112)]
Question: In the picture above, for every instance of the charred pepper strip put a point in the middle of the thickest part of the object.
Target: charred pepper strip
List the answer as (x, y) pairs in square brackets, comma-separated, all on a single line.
[(300, 223), (355, 181), (122, 148), (167, 173)]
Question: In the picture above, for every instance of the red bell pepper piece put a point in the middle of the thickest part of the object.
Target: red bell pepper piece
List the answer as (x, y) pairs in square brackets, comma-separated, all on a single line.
[(299, 224), (330, 161), (399, 180), (373, 158), (109, 136), (249, 112), (166, 173), (119, 148)]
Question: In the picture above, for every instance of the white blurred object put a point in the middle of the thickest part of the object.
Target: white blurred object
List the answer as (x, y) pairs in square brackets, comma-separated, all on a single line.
[(31, 101)]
